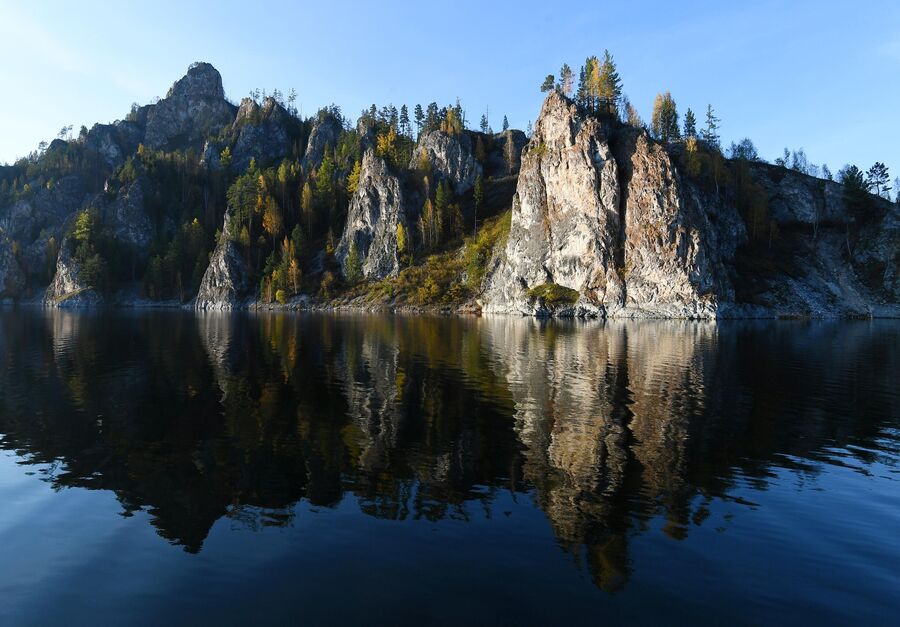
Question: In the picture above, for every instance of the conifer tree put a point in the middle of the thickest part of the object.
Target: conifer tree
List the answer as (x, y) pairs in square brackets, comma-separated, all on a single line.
[(878, 178), (547, 85), (710, 133), (419, 117), (405, 128), (690, 124), (484, 123), (565, 80), (505, 124), (609, 83), (664, 123)]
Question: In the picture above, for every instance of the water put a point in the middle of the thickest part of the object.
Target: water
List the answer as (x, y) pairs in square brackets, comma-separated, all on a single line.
[(166, 468)]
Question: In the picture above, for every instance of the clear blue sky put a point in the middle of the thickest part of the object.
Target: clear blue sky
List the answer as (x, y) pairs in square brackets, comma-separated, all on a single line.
[(822, 75)]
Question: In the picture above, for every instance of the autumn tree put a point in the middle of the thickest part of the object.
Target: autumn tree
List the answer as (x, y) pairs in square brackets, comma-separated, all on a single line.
[(664, 123)]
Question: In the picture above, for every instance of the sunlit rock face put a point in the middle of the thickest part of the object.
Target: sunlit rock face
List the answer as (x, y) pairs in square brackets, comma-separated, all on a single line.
[(603, 211), (194, 108), (325, 134), (451, 158), (376, 209), (226, 284)]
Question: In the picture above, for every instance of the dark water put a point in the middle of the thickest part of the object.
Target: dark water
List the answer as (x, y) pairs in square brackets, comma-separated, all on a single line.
[(166, 468)]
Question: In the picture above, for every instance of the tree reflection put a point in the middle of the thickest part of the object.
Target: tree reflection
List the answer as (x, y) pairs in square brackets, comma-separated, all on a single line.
[(607, 426)]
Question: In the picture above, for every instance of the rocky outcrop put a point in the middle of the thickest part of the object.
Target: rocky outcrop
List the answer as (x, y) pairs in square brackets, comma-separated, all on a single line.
[(326, 132), (376, 209), (12, 279), (451, 158), (565, 217), (504, 158), (226, 283), (114, 142), (604, 223), (68, 289), (262, 133), (194, 108)]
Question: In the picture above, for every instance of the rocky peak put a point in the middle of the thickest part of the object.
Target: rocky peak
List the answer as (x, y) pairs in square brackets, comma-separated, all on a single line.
[(194, 108), (262, 133), (202, 82), (325, 132), (452, 159), (602, 211), (375, 210)]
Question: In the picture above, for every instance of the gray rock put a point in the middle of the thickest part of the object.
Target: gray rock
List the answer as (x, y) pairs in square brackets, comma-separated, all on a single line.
[(501, 161), (226, 283), (12, 279), (376, 209), (68, 290), (326, 132), (194, 108), (262, 133), (452, 159)]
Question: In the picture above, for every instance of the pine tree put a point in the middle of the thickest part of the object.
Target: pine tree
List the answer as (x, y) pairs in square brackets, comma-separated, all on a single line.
[(419, 117), (609, 84), (690, 124), (353, 265), (565, 80), (484, 123), (878, 178), (664, 123), (405, 128), (710, 133), (505, 124), (547, 85)]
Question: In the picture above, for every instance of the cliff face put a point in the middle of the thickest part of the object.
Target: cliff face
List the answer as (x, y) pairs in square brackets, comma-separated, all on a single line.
[(12, 279), (451, 158), (262, 133), (325, 133), (194, 108), (226, 284), (604, 211), (376, 209)]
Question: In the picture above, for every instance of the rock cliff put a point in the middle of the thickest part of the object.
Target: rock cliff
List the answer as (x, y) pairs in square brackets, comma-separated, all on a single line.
[(262, 133), (451, 157), (605, 223), (375, 210), (226, 284), (12, 279), (194, 108), (325, 133)]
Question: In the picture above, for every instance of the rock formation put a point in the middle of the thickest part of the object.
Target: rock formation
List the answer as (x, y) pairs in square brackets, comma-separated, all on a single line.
[(376, 209), (12, 279), (262, 133), (326, 132), (226, 283), (604, 219), (194, 108), (451, 157)]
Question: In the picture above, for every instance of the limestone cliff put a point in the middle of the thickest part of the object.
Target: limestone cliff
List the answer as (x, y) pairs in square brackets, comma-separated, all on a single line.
[(325, 133), (376, 209), (194, 108), (451, 158), (226, 283), (605, 221)]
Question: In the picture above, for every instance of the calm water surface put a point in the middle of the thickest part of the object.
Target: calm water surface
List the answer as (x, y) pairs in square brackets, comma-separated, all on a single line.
[(170, 468)]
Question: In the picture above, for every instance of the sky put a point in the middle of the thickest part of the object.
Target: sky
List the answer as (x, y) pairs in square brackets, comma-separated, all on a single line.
[(819, 75)]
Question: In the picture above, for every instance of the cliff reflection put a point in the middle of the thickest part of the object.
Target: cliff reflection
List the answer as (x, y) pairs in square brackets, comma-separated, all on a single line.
[(606, 426)]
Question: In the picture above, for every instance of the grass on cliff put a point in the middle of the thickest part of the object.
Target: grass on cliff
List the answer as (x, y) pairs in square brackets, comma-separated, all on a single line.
[(553, 295), (445, 278)]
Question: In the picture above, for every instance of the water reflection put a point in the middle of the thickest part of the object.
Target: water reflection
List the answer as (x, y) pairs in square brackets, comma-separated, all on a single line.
[(606, 426)]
